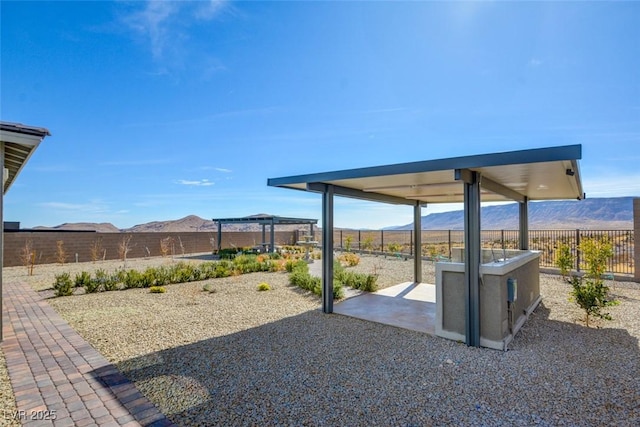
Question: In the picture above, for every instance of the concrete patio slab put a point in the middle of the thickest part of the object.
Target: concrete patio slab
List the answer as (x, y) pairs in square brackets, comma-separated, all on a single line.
[(407, 305)]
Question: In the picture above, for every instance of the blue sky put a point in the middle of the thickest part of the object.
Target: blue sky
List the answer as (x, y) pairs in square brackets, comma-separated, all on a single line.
[(159, 110)]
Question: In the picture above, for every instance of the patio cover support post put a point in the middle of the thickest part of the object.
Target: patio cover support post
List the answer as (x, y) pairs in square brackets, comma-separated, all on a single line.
[(327, 249), (417, 242), (524, 224), (219, 236), (472, 253), (272, 241)]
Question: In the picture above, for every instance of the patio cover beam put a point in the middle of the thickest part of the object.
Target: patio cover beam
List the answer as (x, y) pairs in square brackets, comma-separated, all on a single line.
[(353, 193), (498, 188)]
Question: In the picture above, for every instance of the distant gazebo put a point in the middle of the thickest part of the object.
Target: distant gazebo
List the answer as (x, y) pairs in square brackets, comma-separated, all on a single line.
[(264, 220)]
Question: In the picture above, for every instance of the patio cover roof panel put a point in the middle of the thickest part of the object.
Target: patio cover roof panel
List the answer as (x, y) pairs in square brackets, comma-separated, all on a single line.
[(20, 142), (538, 174)]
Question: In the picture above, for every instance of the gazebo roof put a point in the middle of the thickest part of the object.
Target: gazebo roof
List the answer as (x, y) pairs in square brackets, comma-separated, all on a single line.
[(265, 219)]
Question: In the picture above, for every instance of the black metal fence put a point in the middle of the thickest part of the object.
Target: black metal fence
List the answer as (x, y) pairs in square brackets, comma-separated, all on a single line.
[(437, 244)]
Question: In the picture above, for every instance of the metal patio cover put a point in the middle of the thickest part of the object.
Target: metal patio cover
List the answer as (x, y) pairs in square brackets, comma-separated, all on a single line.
[(521, 176), (535, 174), (264, 220), (19, 142)]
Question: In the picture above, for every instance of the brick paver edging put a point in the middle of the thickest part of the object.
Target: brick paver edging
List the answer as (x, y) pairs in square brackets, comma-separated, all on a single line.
[(58, 378)]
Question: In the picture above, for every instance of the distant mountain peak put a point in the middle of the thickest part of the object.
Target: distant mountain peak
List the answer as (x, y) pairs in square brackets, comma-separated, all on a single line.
[(593, 214)]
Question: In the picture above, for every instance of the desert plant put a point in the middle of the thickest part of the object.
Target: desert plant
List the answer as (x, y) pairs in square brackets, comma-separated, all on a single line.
[(347, 243), (367, 243), (61, 253), (133, 279), (590, 292), (291, 264), (181, 245), (124, 247), (564, 258), (157, 290), (63, 286), (81, 279), (106, 281), (28, 256), (166, 246), (264, 287), (394, 247), (350, 259), (96, 250)]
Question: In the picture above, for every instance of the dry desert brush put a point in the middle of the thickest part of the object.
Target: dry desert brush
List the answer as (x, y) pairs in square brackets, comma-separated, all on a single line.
[(28, 256)]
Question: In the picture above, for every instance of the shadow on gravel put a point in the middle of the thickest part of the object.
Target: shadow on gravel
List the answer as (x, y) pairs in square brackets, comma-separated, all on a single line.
[(317, 369)]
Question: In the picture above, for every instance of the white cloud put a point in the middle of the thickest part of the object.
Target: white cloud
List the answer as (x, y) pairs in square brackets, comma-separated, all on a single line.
[(209, 9), (535, 62), (223, 170), (163, 23), (197, 183), (153, 23)]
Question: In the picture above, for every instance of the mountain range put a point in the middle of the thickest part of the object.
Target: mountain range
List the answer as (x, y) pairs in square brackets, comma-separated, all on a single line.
[(592, 214), (597, 213)]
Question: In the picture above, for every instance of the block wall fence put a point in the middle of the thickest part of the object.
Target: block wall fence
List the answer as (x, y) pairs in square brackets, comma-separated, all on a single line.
[(141, 244)]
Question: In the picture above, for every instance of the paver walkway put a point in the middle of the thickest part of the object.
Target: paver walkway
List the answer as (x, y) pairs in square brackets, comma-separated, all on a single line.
[(58, 378)]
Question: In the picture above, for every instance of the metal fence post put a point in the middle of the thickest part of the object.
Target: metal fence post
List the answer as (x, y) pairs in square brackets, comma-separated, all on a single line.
[(577, 249)]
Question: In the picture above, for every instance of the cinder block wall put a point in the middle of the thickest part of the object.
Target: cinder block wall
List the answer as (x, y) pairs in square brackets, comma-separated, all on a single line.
[(141, 244), (636, 242)]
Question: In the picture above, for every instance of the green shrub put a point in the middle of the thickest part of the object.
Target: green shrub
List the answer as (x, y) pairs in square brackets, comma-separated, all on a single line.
[(133, 279), (63, 286), (106, 281), (157, 290), (264, 287), (82, 279), (350, 259), (92, 286), (564, 259), (222, 270), (589, 292), (338, 291), (293, 264), (592, 296)]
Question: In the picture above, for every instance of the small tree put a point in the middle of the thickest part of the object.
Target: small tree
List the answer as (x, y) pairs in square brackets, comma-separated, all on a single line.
[(564, 258), (166, 245), (96, 249), (28, 256), (367, 243), (347, 243), (590, 292), (61, 253), (124, 247)]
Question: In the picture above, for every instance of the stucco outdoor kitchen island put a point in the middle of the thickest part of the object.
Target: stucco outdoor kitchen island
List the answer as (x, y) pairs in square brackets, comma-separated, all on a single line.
[(509, 292)]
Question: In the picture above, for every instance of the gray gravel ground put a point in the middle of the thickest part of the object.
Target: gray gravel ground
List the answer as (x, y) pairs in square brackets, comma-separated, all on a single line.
[(7, 399), (242, 357)]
